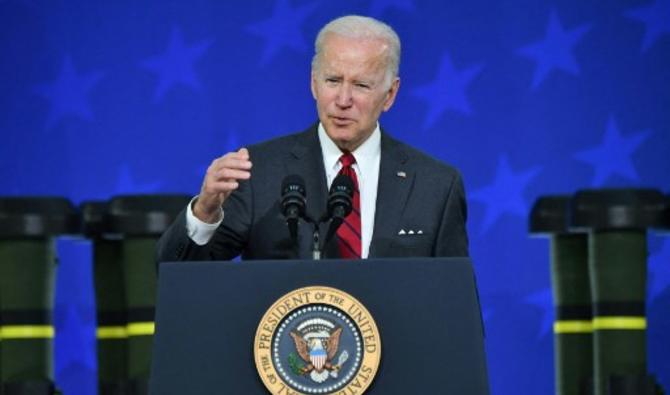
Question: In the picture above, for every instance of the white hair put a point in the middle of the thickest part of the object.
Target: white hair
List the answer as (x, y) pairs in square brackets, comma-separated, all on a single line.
[(362, 27)]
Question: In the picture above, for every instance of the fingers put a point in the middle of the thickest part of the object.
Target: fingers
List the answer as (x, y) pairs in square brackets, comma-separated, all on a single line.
[(222, 178), (224, 174), (219, 188), (231, 167), (243, 152), (231, 161)]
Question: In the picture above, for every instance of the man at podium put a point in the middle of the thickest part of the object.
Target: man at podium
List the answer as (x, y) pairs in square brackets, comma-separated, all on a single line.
[(403, 202)]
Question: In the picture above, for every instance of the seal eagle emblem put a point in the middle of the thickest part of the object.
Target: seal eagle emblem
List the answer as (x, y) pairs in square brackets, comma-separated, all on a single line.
[(317, 340)]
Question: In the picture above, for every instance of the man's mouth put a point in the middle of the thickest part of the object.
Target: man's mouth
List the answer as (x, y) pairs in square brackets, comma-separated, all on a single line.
[(341, 121)]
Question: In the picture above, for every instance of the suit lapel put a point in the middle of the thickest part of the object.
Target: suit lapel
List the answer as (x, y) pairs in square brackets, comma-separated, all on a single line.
[(395, 182), (305, 159)]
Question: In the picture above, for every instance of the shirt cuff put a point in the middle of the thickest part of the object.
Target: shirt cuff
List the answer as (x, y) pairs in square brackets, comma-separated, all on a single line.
[(198, 231)]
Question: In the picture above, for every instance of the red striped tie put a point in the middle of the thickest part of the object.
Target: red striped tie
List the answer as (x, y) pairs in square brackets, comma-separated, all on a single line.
[(349, 233)]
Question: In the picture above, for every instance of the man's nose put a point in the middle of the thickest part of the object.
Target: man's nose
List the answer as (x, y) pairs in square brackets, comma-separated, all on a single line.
[(344, 97)]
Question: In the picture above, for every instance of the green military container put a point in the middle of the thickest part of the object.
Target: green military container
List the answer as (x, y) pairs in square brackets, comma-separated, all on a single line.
[(140, 220), (571, 294), (110, 294), (617, 221), (28, 262)]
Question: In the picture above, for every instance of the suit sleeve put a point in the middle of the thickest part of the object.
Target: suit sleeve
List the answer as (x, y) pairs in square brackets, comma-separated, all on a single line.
[(452, 237)]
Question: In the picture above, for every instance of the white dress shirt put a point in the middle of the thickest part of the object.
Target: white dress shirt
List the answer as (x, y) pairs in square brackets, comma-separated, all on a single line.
[(366, 167), (368, 157)]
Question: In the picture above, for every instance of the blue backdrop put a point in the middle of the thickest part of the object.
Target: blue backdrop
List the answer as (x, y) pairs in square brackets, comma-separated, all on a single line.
[(526, 97)]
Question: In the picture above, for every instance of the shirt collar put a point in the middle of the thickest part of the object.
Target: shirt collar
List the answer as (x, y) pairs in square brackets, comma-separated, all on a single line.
[(365, 154)]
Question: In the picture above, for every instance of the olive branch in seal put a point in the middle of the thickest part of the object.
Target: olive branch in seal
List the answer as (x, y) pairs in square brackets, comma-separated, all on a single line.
[(296, 365)]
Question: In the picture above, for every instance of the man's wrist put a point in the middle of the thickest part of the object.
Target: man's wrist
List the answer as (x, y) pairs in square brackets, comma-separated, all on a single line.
[(199, 231), (204, 216)]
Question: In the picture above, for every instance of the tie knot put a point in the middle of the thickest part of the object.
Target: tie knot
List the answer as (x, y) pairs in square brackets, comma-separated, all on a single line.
[(347, 159)]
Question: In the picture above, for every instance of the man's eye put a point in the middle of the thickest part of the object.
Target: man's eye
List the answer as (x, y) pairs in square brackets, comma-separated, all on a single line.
[(364, 86)]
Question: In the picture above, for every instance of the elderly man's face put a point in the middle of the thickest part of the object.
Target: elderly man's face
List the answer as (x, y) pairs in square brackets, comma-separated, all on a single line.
[(350, 89)]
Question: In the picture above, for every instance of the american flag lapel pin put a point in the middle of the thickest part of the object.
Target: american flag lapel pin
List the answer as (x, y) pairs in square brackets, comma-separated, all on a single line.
[(401, 174)]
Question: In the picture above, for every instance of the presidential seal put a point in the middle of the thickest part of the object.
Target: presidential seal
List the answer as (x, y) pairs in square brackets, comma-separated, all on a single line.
[(317, 340)]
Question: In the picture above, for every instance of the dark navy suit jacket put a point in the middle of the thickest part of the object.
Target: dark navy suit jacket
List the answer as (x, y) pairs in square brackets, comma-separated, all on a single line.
[(415, 192)]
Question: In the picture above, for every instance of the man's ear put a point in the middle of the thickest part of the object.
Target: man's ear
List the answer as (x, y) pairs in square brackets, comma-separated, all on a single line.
[(391, 94), (312, 84)]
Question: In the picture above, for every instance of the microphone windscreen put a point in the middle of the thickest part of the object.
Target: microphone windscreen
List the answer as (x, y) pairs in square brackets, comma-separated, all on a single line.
[(293, 183), (342, 183)]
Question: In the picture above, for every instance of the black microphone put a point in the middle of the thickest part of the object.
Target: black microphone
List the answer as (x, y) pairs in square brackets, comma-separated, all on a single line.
[(293, 202), (339, 203)]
